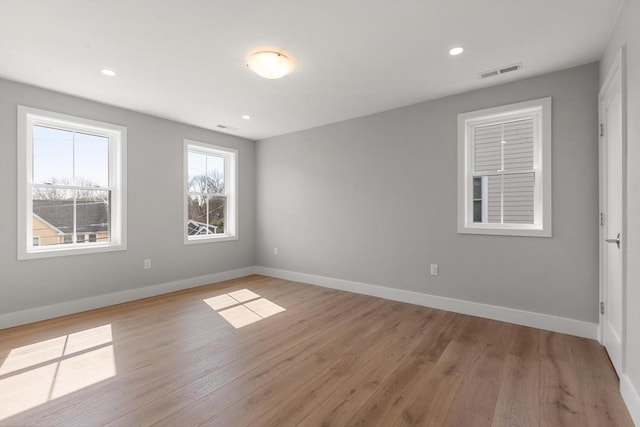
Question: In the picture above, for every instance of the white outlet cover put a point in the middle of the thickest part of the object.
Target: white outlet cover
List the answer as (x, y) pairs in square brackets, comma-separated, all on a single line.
[(434, 269)]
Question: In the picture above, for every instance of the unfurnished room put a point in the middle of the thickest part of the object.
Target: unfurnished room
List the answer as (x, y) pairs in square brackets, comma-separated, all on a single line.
[(320, 213)]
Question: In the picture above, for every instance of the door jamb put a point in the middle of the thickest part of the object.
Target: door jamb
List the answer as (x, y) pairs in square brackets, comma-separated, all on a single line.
[(619, 64)]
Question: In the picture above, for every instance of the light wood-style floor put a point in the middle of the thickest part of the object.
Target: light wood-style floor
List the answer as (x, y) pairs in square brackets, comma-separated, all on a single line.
[(268, 352)]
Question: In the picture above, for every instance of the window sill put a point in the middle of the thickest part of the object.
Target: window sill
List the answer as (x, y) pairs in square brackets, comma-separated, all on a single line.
[(208, 239), (506, 231), (59, 252)]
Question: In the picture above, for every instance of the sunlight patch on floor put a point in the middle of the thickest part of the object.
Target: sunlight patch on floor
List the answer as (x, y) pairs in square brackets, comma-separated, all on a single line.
[(243, 307), (40, 372)]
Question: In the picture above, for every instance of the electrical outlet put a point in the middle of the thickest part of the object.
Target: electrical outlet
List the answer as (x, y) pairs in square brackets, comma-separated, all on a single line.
[(434, 269), (147, 264), (275, 251)]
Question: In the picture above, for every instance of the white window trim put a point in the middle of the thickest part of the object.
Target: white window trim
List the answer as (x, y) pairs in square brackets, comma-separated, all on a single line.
[(27, 118), (542, 166), (231, 188)]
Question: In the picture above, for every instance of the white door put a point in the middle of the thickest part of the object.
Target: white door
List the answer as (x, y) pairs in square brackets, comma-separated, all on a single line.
[(612, 236)]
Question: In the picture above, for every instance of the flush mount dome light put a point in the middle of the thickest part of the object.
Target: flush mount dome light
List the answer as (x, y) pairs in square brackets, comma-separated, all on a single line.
[(456, 51), (270, 64)]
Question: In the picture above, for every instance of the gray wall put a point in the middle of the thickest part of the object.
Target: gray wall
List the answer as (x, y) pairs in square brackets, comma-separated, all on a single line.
[(154, 210), (627, 33), (373, 199)]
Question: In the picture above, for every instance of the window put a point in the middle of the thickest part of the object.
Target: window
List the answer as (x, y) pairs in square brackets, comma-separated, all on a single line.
[(504, 170), (71, 182), (210, 197)]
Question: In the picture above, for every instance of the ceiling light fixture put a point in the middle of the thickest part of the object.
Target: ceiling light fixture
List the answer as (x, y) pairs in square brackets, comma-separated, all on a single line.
[(246, 116), (456, 51), (109, 73), (270, 64)]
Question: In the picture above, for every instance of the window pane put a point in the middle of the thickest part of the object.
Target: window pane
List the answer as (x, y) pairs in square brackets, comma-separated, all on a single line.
[(197, 175), (52, 215), (488, 148), (217, 213), (477, 211), (477, 188), (197, 216), (518, 147), (477, 199), (518, 198), (92, 160), (215, 173), (207, 208), (92, 216), (52, 156)]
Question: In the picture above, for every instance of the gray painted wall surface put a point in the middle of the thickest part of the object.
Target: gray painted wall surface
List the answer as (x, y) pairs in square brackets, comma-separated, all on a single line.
[(373, 200), (154, 209), (627, 32)]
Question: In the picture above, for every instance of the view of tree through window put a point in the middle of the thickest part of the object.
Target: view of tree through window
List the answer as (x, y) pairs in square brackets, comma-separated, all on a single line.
[(207, 200), (70, 191)]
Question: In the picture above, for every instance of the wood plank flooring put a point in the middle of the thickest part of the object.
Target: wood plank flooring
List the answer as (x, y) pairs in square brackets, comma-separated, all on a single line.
[(259, 351)]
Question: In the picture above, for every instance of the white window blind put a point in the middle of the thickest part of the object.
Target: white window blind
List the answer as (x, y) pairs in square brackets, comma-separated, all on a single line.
[(504, 153)]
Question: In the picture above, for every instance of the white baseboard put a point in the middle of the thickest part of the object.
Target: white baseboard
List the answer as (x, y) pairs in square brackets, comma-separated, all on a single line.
[(519, 317), (504, 314), (631, 398), (16, 318), (510, 315)]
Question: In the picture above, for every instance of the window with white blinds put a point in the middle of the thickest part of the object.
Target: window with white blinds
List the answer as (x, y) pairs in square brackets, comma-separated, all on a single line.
[(504, 170)]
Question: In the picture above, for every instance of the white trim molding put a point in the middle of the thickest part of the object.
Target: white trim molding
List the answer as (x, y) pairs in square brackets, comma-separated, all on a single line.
[(230, 192), (23, 317), (631, 398), (28, 118), (504, 314)]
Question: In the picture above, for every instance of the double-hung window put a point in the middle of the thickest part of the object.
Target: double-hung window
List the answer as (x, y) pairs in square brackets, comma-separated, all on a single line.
[(71, 185), (504, 170), (210, 196)]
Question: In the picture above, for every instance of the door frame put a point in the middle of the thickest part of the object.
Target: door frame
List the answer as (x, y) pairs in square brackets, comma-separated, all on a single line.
[(618, 66)]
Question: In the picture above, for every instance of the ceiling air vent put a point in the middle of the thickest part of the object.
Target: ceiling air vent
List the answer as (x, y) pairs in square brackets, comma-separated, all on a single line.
[(499, 71), (225, 127), (489, 74)]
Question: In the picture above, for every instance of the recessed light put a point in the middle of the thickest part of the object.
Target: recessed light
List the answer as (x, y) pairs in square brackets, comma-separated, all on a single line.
[(246, 116), (109, 73), (456, 51)]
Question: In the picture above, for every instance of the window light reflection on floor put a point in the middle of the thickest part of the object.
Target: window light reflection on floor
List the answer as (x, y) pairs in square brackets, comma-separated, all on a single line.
[(243, 307), (40, 372)]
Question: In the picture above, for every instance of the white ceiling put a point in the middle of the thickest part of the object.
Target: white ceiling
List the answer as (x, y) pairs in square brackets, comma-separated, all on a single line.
[(184, 60)]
